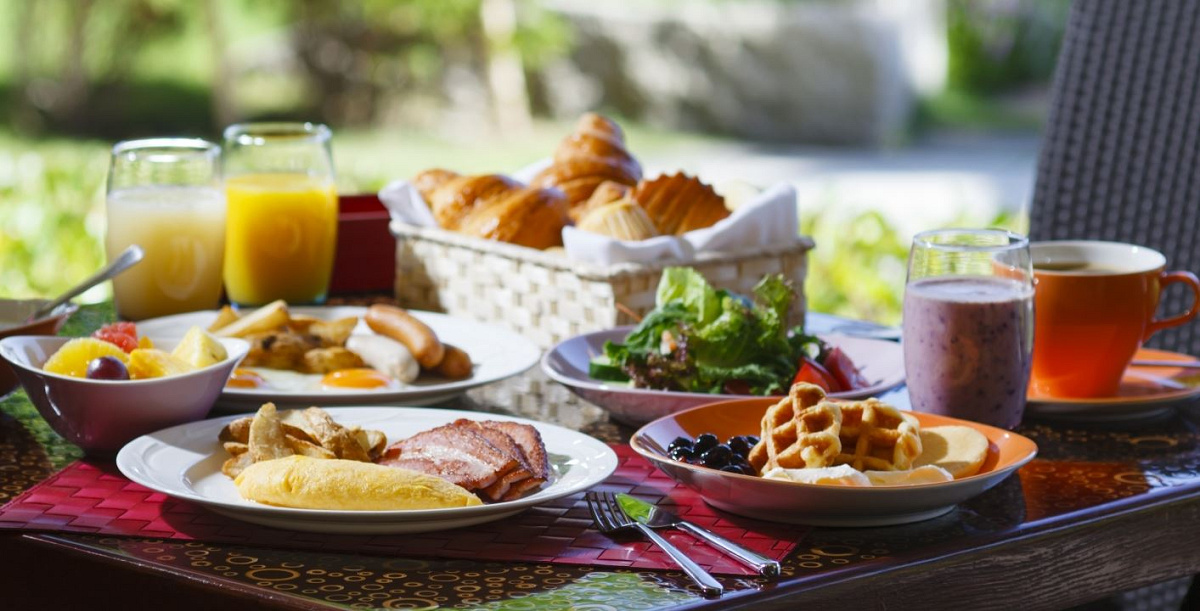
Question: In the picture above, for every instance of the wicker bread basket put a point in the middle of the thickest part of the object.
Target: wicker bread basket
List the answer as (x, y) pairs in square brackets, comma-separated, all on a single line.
[(547, 297)]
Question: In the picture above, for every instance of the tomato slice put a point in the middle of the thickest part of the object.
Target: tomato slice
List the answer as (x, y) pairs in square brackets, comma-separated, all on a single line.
[(813, 373), (844, 370)]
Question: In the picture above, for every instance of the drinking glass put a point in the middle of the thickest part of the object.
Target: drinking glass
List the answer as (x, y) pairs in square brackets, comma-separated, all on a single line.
[(165, 195), (968, 324), (282, 222)]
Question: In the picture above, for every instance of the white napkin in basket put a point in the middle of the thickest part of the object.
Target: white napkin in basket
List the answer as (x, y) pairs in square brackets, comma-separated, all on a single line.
[(771, 218)]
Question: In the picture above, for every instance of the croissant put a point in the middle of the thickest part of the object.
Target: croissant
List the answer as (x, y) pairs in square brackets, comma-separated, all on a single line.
[(622, 219), (456, 198), (429, 180), (608, 192), (527, 216), (594, 153), (679, 203)]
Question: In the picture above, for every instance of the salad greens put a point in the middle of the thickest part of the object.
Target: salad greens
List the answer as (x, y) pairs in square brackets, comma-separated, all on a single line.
[(701, 339)]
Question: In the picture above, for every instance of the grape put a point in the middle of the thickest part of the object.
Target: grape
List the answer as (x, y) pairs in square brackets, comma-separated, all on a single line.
[(107, 368)]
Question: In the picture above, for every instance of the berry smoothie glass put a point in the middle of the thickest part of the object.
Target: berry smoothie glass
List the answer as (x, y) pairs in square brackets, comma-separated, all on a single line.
[(968, 324)]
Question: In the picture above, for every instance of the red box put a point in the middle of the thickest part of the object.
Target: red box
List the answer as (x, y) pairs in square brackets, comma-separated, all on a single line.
[(366, 250)]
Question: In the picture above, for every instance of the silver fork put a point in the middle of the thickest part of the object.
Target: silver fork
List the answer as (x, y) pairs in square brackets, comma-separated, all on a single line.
[(609, 518)]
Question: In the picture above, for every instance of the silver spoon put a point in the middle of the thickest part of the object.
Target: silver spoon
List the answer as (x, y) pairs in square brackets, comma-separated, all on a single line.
[(124, 261)]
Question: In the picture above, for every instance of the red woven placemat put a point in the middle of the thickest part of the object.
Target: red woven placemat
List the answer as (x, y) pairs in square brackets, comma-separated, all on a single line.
[(91, 497)]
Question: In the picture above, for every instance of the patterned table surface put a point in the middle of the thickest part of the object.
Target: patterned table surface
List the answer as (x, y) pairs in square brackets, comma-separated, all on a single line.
[(1083, 472)]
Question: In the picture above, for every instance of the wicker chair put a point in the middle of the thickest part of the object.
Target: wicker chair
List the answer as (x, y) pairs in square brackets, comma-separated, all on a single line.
[(1120, 158)]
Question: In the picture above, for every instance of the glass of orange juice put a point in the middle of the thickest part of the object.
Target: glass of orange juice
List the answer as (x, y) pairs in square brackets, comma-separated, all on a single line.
[(165, 195), (281, 224)]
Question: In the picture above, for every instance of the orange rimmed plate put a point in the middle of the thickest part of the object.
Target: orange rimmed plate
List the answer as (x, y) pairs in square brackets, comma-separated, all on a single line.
[(1144, 392), (819, 505)]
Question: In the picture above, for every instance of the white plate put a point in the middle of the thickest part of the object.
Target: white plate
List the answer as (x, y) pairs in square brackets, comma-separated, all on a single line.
[(880, 361), (185, 462), (496, 352)]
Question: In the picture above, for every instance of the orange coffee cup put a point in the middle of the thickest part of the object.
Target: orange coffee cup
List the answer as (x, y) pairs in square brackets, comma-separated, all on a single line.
[(1094, 305)]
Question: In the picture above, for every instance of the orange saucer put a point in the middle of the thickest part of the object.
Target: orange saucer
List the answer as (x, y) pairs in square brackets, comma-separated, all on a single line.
[(1143, 391)]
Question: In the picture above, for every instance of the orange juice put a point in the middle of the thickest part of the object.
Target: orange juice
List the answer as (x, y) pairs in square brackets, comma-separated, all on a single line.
[(182, 230), (280, 234)]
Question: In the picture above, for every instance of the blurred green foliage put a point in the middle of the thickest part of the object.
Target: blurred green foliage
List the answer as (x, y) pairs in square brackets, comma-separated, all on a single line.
[(1001, 45)]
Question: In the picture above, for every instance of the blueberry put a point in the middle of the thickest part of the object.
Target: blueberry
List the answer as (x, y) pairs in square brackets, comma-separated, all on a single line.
[(680, 442), (740, 445), (735, 469), (680, 453), (716, 457), (740, 461), (705, 442)]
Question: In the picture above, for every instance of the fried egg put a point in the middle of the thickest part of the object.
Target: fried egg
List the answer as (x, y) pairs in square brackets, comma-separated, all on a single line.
[(356, 379), (343, 380)]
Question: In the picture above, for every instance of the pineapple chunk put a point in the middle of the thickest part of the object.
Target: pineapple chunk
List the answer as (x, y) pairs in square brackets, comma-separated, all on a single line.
[(154, 363), (73, 357), (199, 349)]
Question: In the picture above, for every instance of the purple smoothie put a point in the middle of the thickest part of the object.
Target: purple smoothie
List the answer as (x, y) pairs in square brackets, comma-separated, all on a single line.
[(967, 347)]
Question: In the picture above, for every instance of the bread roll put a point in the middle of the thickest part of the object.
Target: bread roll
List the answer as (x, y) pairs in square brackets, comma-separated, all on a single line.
[(679, 203), (313, 483)]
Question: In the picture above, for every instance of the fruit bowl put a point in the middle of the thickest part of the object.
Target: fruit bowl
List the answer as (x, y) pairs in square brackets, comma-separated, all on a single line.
[(100, 416)]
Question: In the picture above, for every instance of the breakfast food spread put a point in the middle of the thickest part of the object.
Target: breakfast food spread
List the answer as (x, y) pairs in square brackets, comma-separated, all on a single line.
[(303, 353), (703, 340), (115, 352), (810, 439), (304, 459)]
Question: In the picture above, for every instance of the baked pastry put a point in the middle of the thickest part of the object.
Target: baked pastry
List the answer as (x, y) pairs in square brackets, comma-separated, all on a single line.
[(594, 153), (527, 216), (622, 219), (801, 431), (457, 197), (431, 179), (607, 193), (679, 203)]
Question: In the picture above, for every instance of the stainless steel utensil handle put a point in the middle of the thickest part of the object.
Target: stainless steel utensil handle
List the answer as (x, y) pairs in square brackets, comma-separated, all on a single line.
[(708, 585), (124, 261), (764, 566)]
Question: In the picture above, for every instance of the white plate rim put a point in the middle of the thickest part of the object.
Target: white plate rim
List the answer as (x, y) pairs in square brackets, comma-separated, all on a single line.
[(599, 463), (616, 333), (520, 355)]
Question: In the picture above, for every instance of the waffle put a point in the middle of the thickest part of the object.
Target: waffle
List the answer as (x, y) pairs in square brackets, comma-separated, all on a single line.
[(804, 430), (877, 437), (798, 432)]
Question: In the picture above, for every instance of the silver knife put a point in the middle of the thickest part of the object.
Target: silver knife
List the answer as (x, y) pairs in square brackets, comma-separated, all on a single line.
[(655, 517)]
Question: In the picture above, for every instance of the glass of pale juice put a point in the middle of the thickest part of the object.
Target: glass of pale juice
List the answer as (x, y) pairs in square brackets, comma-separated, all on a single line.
[(165, 195), (281, 225), (968, 324)]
